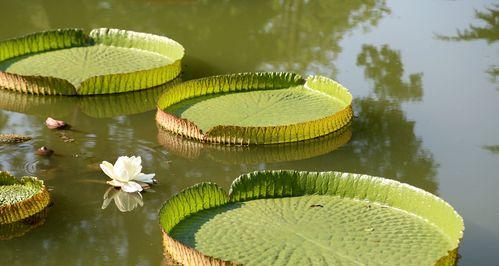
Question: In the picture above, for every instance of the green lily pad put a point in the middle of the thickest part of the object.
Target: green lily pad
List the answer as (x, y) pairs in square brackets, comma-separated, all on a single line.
[(237, 154), (21, 198), (310, 218), (255, 108), (72, 62)]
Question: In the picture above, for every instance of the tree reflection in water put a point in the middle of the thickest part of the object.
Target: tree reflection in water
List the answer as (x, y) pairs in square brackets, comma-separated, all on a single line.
[(384, 67), (220, 37), (489, 33)]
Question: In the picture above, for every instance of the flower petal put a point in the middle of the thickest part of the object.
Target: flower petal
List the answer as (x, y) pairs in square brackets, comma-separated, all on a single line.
[(127, 168), (146, 178), (115, 183), (121, 168), (131, 187), (107, 168)]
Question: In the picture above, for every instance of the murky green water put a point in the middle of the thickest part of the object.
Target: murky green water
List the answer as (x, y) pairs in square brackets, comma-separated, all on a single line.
[(427, 113)]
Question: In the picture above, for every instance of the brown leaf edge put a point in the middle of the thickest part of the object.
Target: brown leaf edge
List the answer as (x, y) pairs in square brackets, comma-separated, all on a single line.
[(14, 212)]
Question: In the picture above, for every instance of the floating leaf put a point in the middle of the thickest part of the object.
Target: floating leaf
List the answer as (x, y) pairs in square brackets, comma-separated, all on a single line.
[(13, 138), (255, 108), (298, 218), (72, 62), (21, 198)]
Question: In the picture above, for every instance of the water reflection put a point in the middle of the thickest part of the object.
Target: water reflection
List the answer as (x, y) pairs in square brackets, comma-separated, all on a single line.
[(384, 144), (384, 67), (98, 106), (489, 32), (235, 154), (384, 141), (220, 37), (22, 227), (124, 201), (492, 148), (305, 40), (292, 35)]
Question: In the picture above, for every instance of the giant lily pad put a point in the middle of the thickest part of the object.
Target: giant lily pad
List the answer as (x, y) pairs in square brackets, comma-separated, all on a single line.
[(237, 154), (302, 218), (72, 62), (21, 198), (255, 108)]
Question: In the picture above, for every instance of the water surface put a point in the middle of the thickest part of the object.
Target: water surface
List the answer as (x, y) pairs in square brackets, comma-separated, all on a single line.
[(424, 84)]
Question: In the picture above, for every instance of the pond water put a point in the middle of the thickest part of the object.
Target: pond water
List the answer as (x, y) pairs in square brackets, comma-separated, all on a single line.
[(426, 97)]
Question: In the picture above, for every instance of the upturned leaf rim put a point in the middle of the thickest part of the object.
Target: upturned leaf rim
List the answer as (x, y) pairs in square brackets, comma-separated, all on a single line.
[(26, 207), (50, 40), (253, 81)]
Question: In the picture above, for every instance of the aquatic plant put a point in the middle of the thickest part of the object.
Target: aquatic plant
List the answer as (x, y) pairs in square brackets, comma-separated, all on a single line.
[(21, 198), (13, 138), (72, 62), (255, 108), (126, 173), (296, 218)]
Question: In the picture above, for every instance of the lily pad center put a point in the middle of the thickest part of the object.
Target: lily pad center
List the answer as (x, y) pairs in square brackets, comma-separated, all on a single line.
[(12, 192), (258, 108), (312, 230), (80, 63)]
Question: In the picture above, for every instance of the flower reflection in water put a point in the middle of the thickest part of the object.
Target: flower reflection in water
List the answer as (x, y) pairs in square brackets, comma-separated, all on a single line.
[(125, 201)]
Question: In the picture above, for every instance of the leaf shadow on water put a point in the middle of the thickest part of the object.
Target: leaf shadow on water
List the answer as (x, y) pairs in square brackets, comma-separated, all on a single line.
[(247, 154), (22, 227), (98, 106)]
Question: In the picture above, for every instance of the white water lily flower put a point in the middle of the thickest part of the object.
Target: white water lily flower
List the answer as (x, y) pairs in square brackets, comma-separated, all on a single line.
[(126, 173)]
